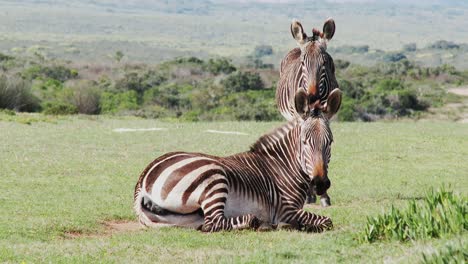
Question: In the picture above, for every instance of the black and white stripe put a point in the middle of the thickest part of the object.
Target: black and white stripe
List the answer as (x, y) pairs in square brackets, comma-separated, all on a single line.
[(261, 187), (311, 69)]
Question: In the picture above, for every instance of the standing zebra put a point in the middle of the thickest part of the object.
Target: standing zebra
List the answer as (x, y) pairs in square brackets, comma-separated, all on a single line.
[(308, 70), (261, 187)]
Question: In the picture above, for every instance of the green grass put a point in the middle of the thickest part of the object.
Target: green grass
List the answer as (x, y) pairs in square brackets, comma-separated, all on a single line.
[(74, 174), (451, 253)]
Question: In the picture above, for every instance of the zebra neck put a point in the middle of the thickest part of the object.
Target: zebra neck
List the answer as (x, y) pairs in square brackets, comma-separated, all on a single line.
[(270, 141)]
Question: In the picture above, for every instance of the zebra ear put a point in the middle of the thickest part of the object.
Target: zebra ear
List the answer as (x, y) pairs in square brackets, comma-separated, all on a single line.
[(298, 32), (333, 103), (300, 102), (329, 29)]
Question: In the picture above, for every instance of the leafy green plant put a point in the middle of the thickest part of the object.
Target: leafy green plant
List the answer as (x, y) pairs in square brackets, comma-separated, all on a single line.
[(440, 212), (115, 102)]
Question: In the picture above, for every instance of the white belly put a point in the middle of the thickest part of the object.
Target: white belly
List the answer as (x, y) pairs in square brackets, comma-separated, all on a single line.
[(237, 205)]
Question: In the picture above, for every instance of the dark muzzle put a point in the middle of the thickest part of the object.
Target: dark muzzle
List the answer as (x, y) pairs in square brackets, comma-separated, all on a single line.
[(322, 185)]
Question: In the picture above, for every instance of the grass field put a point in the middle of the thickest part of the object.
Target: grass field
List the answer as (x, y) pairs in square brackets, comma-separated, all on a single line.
[(65, 183)]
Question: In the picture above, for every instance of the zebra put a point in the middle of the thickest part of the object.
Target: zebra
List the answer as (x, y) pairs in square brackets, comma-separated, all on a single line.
[(307, 69), (258, 189)]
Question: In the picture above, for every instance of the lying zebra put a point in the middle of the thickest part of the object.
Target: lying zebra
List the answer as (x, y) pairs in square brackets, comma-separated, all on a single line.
[(308, 68), (263, 187)]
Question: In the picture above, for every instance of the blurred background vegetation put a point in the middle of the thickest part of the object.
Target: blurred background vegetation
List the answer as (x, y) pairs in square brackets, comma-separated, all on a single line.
[(218, 60)]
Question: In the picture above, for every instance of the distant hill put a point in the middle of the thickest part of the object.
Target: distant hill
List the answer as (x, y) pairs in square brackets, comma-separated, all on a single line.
[(152, 31)]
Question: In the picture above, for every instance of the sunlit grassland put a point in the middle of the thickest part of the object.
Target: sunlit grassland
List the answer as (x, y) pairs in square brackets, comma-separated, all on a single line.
[(72, 174)]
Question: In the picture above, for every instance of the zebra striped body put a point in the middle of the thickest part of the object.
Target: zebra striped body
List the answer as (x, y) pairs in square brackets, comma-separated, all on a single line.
[(264, 186), (308, 69)]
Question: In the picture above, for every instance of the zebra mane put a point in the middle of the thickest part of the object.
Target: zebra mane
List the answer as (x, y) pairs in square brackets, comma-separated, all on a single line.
[(268, 140)]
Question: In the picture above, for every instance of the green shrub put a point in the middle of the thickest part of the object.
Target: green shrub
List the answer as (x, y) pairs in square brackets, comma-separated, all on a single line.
[(115, 102), (84, 96), (59, 108), (56, 72), (444, 45), (440, 212), (250, 105), (4, 57), (219, 65), (394, 56), (171, 96), (242, 81), (347, 111), (8, 112), (16, 94)]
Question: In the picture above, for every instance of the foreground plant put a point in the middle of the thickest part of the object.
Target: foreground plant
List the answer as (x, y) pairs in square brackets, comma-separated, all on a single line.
[(441, 212)]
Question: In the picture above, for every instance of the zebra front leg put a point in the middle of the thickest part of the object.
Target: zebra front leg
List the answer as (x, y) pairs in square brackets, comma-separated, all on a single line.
[(310, 222), (215, 220), (222, 223)]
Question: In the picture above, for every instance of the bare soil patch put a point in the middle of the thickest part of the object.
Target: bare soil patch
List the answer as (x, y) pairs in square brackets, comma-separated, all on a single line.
[(122, 226), (463, 91), (111, 228)]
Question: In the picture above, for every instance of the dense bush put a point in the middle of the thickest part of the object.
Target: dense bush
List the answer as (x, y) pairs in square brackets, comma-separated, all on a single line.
[(56, 72), (16, 94), (4, 57), (394, 57), (193, 89), (252, 105), (115, 102), (243, 81), (59, 108), (444, 45), (220, 65), (84, 96), (171, 96)]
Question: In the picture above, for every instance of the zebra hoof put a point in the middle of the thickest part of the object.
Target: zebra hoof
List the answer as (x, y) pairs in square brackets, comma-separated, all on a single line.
[(206, 228), (255, 223), (265, 227), (325, 202), (327, 224), (284, 226)]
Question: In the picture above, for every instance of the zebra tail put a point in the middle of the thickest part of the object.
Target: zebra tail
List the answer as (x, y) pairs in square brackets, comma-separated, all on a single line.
[(145, 215)]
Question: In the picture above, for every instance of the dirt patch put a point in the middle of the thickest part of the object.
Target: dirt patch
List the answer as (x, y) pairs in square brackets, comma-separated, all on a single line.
[(122, 226), (111, 228), (463, 91)]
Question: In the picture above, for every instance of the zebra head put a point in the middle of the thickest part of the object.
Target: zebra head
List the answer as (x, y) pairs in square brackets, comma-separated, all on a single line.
[(316, 139), (317, 70)]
